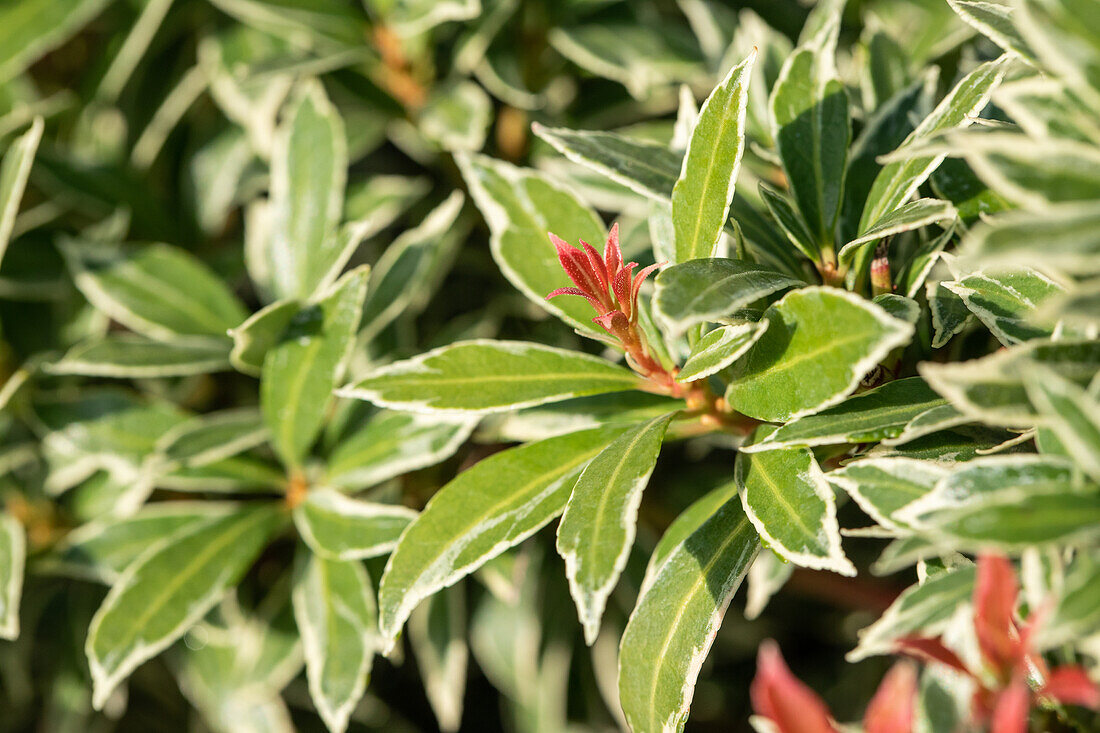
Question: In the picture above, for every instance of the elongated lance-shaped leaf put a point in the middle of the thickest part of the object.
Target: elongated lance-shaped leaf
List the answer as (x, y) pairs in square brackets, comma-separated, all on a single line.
[(866, 418), (676, 619), (642, 166), (1072, 413), (882, 486), (702, 195), (337, 616), (13, 554), (708, 289), (689, 520), (930, 421), (401, 273), (811, 130), (897, 181), (720, 348), (991, 389), (926, 608), (158, 290), (598, 527), (103, 548), (486, 509), (32, 28), (521, 206), (300, 373), (790, 222), (792, 506), (819, 344), (340, 527), (995, 22), (1067, 232), (14, 171), (913, 215), (1006, 301), (488, 376), (214, 436), (393, 443), (437, 634), (169, 589), (128, 357), (308, 174)]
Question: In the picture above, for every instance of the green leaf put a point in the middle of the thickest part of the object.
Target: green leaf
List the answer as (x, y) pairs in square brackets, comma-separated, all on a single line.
[(703, 192), (130, 357), (792, 506), (599, 524), (486, 376), (1006, 301), (819, 344), (339, 527), (685, 524), (930, 421), (257, 335), (300, 373), (14, 171), (401, 273), (559, 418), (242, 474), (897, 180), (913, 215), (676, 619), (414, 17), (642, 166), (13, 552), (457, 116), (33, 28), (336, 615), (1009, 502), (994, 21), (308, 173), (486, 509), (1067, 232), (708, 289), (158, 290), (882, 486), (391, 444), (520, 207), (1077, 614), (811, 130), (790, 222), (926, 608), (437, 633), (213, 437), (169, 589), (1073, 414), (900, 307), (915, 271), (949, 313), (991, 389), (869, 417), (720, 348), (103, 548)]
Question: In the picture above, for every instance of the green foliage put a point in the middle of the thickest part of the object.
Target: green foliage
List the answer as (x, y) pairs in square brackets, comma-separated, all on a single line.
[(276, 337)]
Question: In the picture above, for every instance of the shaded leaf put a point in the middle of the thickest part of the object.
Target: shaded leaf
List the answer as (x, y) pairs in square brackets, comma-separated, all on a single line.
[(339, 527)]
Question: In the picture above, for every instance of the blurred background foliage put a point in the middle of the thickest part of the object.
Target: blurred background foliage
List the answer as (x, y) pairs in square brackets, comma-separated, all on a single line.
[(160, 117)]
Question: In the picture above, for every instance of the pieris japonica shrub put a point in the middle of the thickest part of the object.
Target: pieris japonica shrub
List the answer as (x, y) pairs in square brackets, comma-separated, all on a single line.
[(412, 365)]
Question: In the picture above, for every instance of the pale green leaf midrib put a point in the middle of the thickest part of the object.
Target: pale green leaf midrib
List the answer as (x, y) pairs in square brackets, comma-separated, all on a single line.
[(734, 534), (866, 421)]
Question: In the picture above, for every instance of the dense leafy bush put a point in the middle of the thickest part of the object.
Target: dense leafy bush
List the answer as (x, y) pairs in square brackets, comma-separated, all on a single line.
[(818, 308)]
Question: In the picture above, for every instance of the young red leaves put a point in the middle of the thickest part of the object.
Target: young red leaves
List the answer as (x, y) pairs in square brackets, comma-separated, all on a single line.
[(612, 288), (792, 707)]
